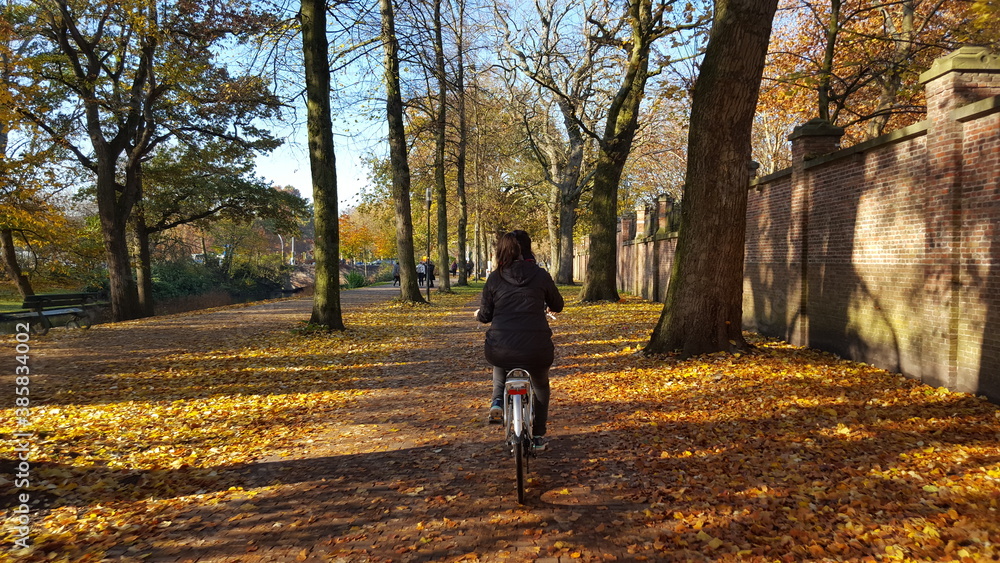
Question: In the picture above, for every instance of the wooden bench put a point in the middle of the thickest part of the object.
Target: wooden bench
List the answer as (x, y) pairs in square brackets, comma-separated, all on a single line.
[(39, 309)]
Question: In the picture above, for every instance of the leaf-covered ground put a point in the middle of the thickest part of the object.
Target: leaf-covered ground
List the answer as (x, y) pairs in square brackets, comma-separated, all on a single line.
[(231, 435)]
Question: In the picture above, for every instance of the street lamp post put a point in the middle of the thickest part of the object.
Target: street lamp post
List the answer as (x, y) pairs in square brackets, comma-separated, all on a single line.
[(427, 266)]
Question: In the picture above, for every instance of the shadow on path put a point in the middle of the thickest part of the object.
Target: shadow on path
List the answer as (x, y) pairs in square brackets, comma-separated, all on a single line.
[(409, 471)]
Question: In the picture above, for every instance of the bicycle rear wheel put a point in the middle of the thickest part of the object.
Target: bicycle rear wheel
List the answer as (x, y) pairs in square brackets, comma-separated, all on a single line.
[(517, 420), (518, 442), (521, 461)]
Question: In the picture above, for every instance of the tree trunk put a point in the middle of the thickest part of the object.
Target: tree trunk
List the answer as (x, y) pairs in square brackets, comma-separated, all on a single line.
[(567, 220), (704, 304), (441, 188), (144, 273), (114, 211), (115, 203), (204, 251), (322, 160), (552, 225), (825, 87), (461, 156), (11, 265), (124, 293), (891, 81), (7, 249), (570, 189), (398, 164), (600, 282)]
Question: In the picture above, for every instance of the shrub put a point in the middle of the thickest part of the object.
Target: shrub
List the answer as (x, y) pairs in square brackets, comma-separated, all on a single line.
[(248, 281), (182, 278), (243, 281), (355, 279), (384, 272)]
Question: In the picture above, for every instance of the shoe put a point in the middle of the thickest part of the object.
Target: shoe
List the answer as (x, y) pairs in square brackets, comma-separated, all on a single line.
[(540, 442), (496, 412)]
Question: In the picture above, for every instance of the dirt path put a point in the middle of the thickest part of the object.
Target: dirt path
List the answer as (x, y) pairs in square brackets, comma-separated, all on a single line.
[(409, 472), (222, 436), (108, 346)]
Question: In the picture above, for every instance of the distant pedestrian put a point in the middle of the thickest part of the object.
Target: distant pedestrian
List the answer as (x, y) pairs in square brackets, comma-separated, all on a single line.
[(395, 274), (421, 272)]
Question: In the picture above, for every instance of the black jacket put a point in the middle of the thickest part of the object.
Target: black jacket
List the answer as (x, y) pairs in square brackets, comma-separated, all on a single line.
[(514, 300)]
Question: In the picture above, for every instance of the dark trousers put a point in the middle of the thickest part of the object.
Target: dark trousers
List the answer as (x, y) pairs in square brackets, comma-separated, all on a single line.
[(540, 388)]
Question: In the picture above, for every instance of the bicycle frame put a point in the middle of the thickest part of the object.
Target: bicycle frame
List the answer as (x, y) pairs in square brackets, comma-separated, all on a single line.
[(518, 416), (517, 393)]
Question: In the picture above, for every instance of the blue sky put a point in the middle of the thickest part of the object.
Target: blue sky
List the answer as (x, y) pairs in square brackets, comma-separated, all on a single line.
[(289, 164)]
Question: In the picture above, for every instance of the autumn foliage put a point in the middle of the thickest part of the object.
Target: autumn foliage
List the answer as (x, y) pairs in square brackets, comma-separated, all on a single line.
[(151, 442), (790, 454), (857, 64)]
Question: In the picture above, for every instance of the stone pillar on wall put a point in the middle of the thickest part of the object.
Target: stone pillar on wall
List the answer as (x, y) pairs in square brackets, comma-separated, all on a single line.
[(625, 227), (631, 282), (641, 217), (964, 76), (813, 139), (626, 255), (955, 80), (664, 204)]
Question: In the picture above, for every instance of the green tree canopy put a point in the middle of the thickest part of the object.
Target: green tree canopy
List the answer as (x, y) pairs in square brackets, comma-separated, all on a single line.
[(132, 77)]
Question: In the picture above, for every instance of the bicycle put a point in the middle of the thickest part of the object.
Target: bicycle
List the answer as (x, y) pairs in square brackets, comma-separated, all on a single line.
[(518, 416), (518, 419)]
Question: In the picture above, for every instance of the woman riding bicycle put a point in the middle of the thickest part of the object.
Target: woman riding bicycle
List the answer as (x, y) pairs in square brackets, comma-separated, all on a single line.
[(514, 301)]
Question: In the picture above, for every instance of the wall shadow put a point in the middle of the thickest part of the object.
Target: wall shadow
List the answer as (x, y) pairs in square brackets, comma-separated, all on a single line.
[(988, 377), (803, 271), (768, 267)]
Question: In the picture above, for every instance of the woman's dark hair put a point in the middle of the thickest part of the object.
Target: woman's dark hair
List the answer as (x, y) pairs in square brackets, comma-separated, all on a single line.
[(508, 250), (525, 241)]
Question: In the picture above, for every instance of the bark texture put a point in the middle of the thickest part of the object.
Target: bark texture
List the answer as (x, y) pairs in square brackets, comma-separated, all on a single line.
[(399, 166), (601, 278), (326, 303), (11, 265), (704, 306)]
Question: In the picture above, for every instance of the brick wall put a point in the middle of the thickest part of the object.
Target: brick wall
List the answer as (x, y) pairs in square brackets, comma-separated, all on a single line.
[(887, 252)]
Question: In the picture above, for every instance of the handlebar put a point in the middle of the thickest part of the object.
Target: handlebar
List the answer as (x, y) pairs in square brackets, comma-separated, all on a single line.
[(548, 314)]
